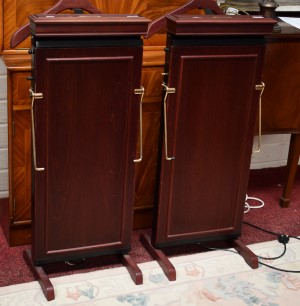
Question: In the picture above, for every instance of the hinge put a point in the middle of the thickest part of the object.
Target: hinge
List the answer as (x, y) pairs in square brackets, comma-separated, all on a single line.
[(13, 129)]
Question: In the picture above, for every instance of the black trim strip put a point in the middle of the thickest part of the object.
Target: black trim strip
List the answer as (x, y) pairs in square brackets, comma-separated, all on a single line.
[(69, 42), (217, 40)]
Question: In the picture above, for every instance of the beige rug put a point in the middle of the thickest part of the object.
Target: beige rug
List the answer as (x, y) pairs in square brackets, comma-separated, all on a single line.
[(212, 278)]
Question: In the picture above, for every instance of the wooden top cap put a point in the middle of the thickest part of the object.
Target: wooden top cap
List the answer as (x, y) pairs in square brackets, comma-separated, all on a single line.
[(42, 25), (219, 25)]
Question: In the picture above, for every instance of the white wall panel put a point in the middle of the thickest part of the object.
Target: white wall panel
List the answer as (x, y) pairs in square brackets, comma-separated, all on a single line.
[(3, 132), (4, 180), (3, 158)]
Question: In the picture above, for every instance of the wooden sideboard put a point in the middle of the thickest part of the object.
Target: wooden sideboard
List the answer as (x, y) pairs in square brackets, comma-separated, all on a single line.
[(17, 218), (279, 101)]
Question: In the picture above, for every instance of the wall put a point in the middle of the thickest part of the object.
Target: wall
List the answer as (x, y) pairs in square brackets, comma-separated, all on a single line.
[(3, 133), (273, 153)]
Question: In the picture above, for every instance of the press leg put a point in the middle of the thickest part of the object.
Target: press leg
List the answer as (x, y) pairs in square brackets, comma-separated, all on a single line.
[(160, 257)]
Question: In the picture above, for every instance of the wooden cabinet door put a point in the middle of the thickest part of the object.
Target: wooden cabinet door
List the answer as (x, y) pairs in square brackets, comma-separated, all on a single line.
[(16, 218), (85, 128), (210, 124), (21, 165)]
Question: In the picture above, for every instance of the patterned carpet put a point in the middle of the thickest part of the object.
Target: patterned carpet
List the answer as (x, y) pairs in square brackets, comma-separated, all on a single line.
[(209, 278), (265, 184)]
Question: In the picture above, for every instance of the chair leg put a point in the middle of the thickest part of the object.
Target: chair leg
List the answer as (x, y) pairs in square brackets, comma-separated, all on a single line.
[(292, 164)]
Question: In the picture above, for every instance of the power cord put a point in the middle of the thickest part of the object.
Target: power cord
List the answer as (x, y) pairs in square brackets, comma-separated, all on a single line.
[(284, 239), (278, 269), (233, 251), (274, 258), (248, 206)]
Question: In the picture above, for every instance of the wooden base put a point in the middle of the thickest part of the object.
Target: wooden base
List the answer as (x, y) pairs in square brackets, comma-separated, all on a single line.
[(133, 269), (250, 258), (291, 170), (40, 276), (160, 257), (170, 271), (47, 287)]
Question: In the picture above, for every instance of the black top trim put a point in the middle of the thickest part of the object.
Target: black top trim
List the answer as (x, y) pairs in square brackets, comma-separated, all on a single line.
[(217, 40), (69, 42)]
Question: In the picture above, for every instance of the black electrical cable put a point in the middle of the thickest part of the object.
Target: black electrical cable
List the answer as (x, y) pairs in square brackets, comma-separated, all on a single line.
[(270, 232), (275, 268), (273, 258), (284, 239), (262, 263), (229, 250), (217, 249)]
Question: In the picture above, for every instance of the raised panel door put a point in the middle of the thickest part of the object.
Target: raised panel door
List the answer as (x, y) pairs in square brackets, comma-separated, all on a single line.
[(86, 128), (210, 122)]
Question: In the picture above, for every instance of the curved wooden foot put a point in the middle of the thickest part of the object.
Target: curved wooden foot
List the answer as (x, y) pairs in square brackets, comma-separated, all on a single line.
[(133, 269), (160, 257), (250, 258), (40, 276), (292, 166), (47, 287)]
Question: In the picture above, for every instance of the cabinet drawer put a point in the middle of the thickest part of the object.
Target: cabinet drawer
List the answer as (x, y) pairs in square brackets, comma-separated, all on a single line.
[(20, 88)]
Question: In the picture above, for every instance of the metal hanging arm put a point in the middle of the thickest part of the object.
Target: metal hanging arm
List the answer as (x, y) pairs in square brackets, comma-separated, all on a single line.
[(62, 5), (157, 24), (261, 88), (168, 90), (140, 91), (34, 96)]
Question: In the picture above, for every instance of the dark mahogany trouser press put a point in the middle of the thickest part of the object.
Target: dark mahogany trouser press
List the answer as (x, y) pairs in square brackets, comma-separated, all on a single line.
[(212, 87), (86, 112)]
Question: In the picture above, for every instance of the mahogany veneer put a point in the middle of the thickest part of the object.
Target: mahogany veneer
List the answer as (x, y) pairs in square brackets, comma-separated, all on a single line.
[(280, 109), (212, 84), (86, 98)]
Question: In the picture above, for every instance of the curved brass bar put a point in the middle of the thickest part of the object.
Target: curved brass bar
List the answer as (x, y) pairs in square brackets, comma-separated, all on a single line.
[(168, 90), (260, 87), (33, 97), (140, 91)]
